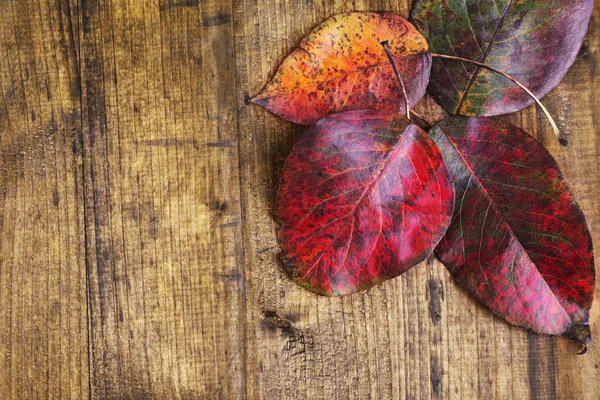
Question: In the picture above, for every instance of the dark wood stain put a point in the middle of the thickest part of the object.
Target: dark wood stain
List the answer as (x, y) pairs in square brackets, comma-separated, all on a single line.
[(232, 143), (216, 20), (542, 378), (169, 142), (436, 296), (231, 224), (436, 376), (185, 3), (298, 342)]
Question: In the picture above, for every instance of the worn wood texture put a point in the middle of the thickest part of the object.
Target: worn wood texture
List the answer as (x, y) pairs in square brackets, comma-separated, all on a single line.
[(162, 200), (43, 307), (138, 257)]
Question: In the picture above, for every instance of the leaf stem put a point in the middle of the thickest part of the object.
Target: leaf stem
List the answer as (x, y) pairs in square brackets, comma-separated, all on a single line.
[(422, 118), (561, 139), (388, 52)]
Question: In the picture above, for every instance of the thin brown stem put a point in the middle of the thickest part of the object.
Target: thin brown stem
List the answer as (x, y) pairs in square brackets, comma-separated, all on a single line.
[(561, 139), (388, 52)]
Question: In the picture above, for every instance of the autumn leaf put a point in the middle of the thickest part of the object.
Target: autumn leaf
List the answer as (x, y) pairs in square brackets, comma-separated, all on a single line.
[(364, 196), (518, 241), (534, 41), (341, 66)]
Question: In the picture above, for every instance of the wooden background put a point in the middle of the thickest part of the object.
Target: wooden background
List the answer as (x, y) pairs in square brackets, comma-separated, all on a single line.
[(138, 257)]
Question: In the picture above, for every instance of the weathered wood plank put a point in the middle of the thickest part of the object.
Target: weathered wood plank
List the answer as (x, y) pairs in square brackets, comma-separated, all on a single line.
[(162, 200), (43, 323), (120, 123)]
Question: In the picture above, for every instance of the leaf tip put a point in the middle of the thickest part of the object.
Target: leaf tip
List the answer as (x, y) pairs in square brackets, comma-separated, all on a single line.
[(260, 99), (581, 334), (563, 141)]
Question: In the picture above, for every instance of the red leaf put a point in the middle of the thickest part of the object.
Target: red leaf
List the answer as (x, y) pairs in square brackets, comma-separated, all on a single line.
[(364, 196), (518, 241), (341, 66)]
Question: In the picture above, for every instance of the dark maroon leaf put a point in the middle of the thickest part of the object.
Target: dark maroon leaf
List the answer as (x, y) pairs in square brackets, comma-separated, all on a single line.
[(534, 41), (364, 196), (518, 241)]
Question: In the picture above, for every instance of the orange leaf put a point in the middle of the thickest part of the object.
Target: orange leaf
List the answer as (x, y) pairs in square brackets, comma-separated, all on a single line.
[(341, 66)]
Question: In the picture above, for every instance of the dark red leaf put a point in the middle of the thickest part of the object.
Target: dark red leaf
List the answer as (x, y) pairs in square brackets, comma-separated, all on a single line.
[(341, 66), (534, 41), (364, 196), (518, 241)]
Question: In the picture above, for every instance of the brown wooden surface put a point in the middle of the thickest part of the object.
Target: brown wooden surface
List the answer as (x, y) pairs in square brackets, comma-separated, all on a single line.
[(138, 257)]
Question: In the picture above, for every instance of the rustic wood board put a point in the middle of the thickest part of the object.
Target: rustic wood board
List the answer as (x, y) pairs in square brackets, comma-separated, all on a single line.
[(138, 257)]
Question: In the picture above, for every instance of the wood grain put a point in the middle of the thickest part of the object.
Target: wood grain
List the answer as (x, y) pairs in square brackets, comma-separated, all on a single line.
[(138, 257), (162, 201), (43, 308)]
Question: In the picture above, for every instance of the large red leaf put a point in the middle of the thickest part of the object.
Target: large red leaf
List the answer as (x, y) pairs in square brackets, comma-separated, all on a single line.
[(518, 241), (341, 66), (534, 41), (364, 196)]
